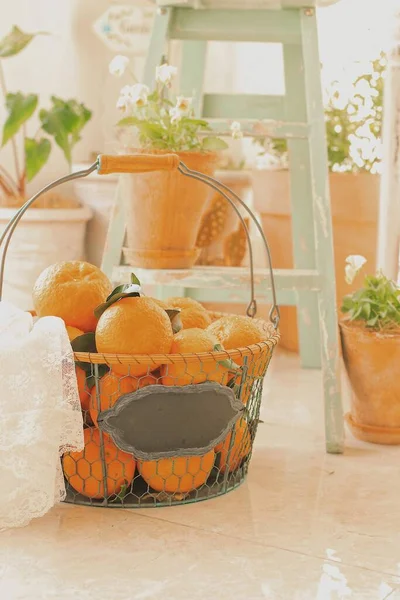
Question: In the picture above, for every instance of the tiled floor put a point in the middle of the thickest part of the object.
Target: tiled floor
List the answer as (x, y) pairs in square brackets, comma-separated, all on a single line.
[(305, 525)]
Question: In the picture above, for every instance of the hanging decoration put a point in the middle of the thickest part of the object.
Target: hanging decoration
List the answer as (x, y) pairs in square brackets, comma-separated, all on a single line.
[(125, 28)]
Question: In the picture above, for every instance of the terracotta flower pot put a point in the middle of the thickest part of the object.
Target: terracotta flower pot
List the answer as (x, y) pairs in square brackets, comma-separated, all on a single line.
[(371, 360), (163, 213), (354, 202)]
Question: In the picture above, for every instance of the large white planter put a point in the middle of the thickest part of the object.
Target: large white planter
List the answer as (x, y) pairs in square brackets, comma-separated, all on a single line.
[(98, 193), (44, 236)]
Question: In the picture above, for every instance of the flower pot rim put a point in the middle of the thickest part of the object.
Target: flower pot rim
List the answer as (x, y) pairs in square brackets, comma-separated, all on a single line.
[(81, 213), (356, 326)]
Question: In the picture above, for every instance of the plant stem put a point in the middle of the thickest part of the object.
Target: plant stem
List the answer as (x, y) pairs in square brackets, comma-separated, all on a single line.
[(13, 142)]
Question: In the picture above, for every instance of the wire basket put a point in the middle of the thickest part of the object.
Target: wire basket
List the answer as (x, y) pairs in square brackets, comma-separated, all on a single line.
[(165, 429)]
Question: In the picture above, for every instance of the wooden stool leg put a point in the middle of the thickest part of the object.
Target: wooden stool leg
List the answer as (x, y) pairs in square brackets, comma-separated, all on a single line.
[(192, 72), (334, 423)]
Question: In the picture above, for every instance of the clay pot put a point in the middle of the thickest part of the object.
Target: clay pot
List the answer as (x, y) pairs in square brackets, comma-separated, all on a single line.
[(371, 360), (163, 214), (355, 204)]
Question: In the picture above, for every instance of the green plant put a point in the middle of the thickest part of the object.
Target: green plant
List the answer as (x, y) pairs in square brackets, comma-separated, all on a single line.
[(353, 124), (161, 123), (63, 122), (376, 304)]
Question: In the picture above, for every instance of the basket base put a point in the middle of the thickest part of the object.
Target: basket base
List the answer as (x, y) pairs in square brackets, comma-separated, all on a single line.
[(161, 259), (388, 436), (142, 497)]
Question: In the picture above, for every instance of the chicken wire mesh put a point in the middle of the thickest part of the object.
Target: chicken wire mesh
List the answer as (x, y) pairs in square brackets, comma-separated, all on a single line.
[(105, 475)]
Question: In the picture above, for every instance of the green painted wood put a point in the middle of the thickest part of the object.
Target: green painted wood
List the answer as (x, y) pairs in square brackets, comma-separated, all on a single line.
[(232, 278), (280, 26), (302, 209), (158, 46), (115, 235), (334, 422), (240, 106), (193, 68), (255, 128)]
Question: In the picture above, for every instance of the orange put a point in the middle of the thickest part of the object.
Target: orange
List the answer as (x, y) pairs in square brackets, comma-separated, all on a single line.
[(193, 314), (235, 331), (193, 369), (179, 474), (71, 290), (84, 470), (160, 303), (134, 326), (112, 387), (84, 392), (240, 448), (73, 332)]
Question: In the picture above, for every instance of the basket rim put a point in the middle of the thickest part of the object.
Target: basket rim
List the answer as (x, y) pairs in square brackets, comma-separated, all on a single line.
[(157, 359)]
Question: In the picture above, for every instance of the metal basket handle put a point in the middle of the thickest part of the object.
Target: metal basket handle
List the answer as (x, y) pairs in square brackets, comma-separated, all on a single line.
[(144, 163)]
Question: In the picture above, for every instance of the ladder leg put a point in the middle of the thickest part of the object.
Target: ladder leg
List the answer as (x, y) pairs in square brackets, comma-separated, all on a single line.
[(192, 72), (302, 209), (158, 47), (334, 423)]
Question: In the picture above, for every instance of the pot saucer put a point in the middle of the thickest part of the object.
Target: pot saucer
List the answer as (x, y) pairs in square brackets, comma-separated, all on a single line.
[(372, 434)]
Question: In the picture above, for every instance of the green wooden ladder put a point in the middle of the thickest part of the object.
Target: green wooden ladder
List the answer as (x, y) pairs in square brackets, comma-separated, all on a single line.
[(297, 116)]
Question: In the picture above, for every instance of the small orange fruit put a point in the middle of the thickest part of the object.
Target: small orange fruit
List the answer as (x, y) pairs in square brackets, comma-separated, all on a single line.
[(84, 392), (193, 369), (240, 448), (71, 290), (193, 314), (235, 331), (84, 470), (73, 332), (177, 475), (134, 326), (112, 387)]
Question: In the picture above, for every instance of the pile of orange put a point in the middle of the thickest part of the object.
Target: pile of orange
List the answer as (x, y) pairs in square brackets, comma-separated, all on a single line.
[(140, 326)]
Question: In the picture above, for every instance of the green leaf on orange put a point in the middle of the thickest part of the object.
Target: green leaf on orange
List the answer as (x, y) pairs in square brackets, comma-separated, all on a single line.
[(87, 343), (127, 290), (227, 363)]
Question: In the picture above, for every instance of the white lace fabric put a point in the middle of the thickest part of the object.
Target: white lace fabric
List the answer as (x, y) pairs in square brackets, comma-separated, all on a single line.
[(40, 414)]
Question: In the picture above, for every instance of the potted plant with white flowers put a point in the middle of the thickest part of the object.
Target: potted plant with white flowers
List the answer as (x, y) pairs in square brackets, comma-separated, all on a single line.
[(163, 209), (55, 231), (370, 335)]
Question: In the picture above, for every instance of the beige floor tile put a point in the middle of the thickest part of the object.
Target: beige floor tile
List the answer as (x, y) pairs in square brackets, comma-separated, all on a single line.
[(99, 554)]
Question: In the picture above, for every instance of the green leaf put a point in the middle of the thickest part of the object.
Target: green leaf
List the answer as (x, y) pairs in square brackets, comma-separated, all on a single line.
[(228, 363), (195, 122), (213, 143), (36, 155), (20, 109), (127, 290), (65, 121), (175, 318), (87, 343), (15, 41), (129, 121)]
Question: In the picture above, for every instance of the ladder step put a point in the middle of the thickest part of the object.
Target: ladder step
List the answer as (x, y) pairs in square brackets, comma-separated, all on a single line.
[(221, 277), (239, 106), (263, 128), (270, 26)]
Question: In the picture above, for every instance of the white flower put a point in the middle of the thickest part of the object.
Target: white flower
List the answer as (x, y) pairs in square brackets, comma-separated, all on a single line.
[(133, 96), (118, 65), (165, 73), (181, 109), (236, 130), (354, 263), (184, 104)]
